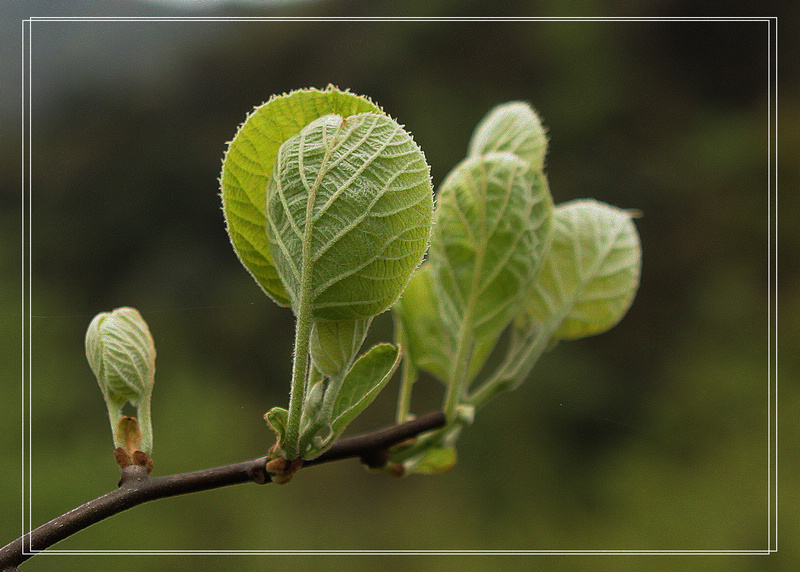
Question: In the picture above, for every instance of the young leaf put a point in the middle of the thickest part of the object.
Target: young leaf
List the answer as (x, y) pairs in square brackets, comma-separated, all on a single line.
[(334, 344), (122, 355), (315, 419), (276, 419), (591, 273), (419, 330), (369, 374), (248, 164), (491, 227), (419, 327), (348, 215), (433, 461), (512, 127)]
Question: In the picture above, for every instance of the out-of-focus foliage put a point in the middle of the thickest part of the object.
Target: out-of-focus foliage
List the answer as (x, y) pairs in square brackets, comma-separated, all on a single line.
[(652, 436)]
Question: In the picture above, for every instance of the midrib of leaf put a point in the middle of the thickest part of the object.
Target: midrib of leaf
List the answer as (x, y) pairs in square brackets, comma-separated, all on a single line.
[(485, 274), (379, 252), (479, 282), (303, 326), (367, 212), (358, 171), (508, 252), (465, 341)]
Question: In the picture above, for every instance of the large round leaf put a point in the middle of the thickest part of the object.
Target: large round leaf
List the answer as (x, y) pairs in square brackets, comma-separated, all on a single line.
[(248, 164), (349, 212)]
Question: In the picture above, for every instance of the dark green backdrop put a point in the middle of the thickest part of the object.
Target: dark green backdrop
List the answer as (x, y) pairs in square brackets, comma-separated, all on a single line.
[(651, 437)]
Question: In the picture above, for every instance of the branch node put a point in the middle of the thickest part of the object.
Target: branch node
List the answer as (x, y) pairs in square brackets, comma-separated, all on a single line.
[(136, 486), (125, 458), (258, 474), (375, 458), (282, 470), (133, 474), (143, 460)]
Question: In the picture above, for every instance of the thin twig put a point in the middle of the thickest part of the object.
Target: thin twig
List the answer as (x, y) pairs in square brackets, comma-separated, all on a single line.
[(137, 487)]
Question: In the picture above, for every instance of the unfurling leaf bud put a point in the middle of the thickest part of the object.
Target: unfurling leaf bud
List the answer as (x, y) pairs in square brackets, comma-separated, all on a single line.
[(122, 355), (349, 207), (513, 127)]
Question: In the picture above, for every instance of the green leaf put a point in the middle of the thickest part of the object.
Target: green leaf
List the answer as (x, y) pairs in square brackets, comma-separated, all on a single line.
[(330, 405), (369, 374), (491, 228), (314, 419), (432, 461), (514, 127), (349, 211), (419, 328), (276, 419), (249, 162), (425, 340), (334, 344), (122, 355), (591, 273)]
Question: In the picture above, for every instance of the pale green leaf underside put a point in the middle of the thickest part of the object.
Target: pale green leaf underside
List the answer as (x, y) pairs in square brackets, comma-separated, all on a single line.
[(513, 127), (491, 228), (349, 212), (369, 374), (121, 353), (591, 273), (334, 344), (424, 340), (248, 164)]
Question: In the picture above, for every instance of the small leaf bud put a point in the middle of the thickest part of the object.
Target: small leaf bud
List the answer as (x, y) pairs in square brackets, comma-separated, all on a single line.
[(122, 355)]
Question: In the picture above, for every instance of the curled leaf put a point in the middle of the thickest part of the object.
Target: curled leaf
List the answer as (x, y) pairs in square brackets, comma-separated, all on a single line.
[(315, 424), (591, 273), (369, 374), (276, 419), (513, 127), (348, 215), (248, 164), (334, 344), (122, 355), (366, 378)]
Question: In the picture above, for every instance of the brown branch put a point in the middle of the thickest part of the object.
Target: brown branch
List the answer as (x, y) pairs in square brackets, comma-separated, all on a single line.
[(137, 487)]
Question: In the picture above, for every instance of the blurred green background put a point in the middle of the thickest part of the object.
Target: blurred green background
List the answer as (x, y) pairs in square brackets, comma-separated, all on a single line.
[(653, 436)]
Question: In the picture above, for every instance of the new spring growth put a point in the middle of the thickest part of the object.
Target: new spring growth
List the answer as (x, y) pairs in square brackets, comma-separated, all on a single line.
[(122, 356), (328, 202)]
